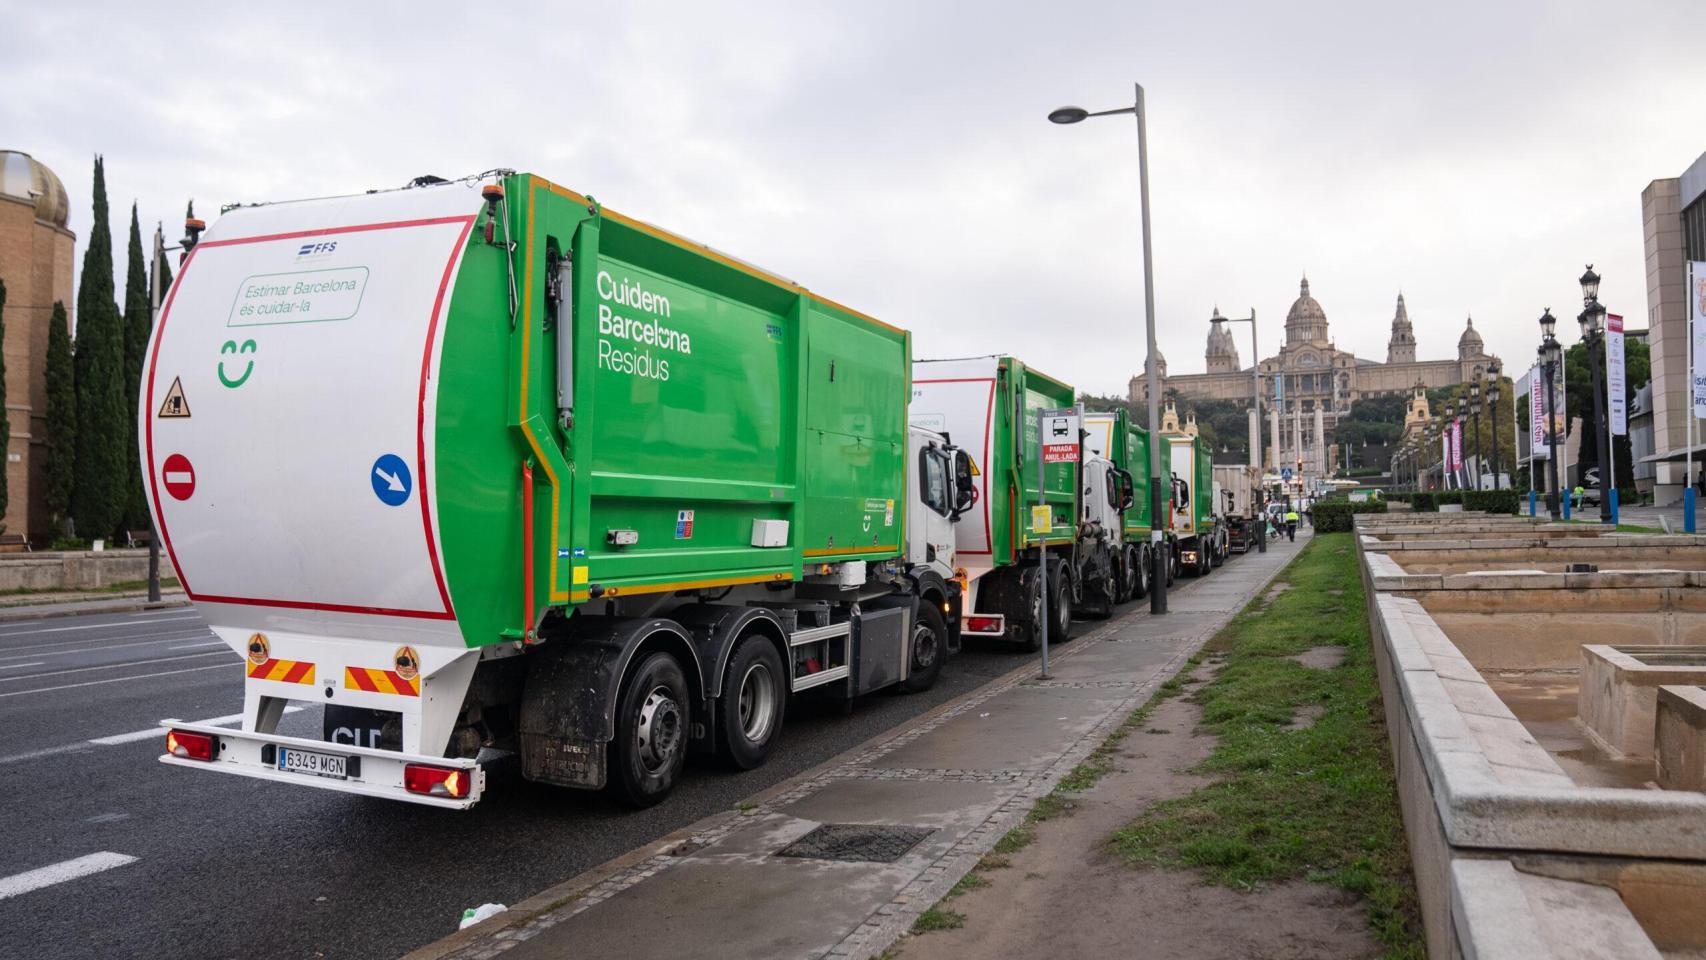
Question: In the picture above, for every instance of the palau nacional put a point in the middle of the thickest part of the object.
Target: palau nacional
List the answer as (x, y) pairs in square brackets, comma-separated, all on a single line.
[(1319, 382)]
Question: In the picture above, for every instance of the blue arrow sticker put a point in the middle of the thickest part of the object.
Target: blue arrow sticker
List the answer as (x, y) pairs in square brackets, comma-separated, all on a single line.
[(391, 483)]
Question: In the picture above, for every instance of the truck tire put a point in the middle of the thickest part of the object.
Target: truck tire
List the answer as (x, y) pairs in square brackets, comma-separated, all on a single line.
[(1131, 575), (1060, 611), (652, 725), (1172, 562), (929, 648), (753, 701), (1140, 556), (1101, 592)]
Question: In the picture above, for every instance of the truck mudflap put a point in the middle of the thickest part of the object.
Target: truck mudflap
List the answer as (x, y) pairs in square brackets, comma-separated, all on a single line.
[(455, 784)]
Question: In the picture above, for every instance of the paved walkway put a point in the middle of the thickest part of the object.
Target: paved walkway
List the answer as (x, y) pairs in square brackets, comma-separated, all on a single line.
[(941, 792)]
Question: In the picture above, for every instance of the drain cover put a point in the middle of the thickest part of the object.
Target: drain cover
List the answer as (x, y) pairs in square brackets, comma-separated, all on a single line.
[(857, 842)]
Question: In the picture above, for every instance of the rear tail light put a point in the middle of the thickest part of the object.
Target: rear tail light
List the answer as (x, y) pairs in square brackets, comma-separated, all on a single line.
[(437, 781), (977, 624), (191, 746)]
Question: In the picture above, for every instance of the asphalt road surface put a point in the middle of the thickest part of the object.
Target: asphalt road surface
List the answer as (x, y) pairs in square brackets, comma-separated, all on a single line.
[(107, 853)]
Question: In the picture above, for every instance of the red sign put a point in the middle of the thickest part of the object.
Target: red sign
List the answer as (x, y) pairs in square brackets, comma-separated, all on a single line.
[(1060, 453), (179, 476)]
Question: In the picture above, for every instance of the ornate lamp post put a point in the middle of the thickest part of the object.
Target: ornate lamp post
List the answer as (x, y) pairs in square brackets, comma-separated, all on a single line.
[(1446, 431), (1592, 320), (1475, 409), (1493, 372), (1550, 355)]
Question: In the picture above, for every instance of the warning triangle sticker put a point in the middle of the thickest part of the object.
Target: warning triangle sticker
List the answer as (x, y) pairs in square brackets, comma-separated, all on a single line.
[(175, 405)]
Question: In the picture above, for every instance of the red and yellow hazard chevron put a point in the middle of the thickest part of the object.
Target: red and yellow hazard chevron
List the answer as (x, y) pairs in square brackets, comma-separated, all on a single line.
[(284, 671), (379, 681)]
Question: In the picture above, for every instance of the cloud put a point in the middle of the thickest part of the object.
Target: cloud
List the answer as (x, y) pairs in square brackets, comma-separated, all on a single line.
[(896, 157)]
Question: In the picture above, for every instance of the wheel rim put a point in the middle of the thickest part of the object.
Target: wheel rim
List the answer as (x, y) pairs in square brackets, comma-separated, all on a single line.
[(658, 734), (757, 702), (923, 648)]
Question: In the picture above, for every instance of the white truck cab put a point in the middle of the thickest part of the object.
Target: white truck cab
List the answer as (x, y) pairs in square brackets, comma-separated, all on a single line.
[(942, 490)]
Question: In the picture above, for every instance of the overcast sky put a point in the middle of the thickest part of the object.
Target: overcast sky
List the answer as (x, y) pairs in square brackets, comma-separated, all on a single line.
[(896, 156)]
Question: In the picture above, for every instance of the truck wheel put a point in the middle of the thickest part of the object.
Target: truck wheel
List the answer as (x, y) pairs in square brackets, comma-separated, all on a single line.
[(652, 723), (1131, 575), (1034, 622), (1060, 610), (929, 648), (1140, 556), (1104, 588), (1172, 563), (753, 702)]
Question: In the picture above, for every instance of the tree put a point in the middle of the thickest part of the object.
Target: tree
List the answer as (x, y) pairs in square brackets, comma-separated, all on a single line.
[(137, 323), (61, 419), (1578, 402), (98, 499)]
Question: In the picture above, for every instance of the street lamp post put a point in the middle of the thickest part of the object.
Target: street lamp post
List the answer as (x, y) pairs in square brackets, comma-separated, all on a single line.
[(1592, 320), (1157, 503), (1475, 409), (1550, 354), (1448, 467), (1256, 399), (1493, 375)]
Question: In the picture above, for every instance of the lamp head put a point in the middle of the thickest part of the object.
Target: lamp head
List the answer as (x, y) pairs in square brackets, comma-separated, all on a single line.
[(1548, 323), (1590, 285), (1067, 114)]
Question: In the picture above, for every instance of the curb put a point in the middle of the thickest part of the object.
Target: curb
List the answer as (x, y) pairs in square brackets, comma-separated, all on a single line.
[(33, 611)]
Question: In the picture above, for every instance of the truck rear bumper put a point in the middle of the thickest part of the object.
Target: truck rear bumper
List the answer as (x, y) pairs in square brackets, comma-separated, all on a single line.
[(379, 773)]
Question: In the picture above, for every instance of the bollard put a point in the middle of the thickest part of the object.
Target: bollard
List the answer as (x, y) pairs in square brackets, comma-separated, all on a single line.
[(1613, 495), (1533, 499), (1565, 494), (1687, 509)]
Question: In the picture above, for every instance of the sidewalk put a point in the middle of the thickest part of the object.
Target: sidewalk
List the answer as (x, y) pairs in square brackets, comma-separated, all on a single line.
[(841, 860), (63, 603)]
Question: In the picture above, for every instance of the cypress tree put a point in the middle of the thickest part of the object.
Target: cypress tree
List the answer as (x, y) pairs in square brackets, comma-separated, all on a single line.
[(5, 420), (137, 323), (61, 419), (98, 498)]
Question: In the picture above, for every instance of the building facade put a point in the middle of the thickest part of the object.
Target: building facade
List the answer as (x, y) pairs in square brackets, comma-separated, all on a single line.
[(1314, 379), (36, 265), (1673, 219)]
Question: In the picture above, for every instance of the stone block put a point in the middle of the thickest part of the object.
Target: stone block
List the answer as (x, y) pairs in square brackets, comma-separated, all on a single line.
[(1680, 737), (1619, 690)]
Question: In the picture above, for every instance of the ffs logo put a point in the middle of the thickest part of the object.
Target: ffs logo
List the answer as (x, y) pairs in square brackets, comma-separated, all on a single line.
[(231, 348), (314, 251)]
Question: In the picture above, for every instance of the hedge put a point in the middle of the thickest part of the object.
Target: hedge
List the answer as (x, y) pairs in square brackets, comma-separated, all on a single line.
[(1335, 516), (1491, 501)]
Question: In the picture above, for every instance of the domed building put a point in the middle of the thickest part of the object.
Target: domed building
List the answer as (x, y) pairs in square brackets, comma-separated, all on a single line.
[(36, 247), (1310, 382)]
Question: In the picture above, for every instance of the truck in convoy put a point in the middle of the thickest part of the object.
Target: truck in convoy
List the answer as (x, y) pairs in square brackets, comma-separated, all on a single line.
[(484, 466), (1198, 538), (1017, 540), (1236, 486), (1113, 436)]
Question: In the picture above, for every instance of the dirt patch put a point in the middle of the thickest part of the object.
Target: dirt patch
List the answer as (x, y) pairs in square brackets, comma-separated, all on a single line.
[(1279, 587), (1065, 895), (1320, 658), (1306, 716)]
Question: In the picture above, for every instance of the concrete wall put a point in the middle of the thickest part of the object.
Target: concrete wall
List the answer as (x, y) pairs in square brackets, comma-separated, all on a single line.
[(76, 571)]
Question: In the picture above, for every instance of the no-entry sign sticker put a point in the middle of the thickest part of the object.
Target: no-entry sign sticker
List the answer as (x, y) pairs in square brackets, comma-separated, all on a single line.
[(178, 476)]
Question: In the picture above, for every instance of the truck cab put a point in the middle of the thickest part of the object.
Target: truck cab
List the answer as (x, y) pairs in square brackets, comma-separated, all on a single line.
[(942, 491)]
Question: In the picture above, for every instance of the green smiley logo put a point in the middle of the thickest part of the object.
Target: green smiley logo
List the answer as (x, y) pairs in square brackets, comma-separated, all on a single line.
[(231, 347)]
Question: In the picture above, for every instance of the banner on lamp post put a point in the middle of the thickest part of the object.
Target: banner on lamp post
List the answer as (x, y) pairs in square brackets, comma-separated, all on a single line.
[(1697, 331), (1616, 407), (1537, 414)]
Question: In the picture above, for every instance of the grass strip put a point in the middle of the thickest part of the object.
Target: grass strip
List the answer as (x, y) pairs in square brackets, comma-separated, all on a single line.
[(1317, 803)]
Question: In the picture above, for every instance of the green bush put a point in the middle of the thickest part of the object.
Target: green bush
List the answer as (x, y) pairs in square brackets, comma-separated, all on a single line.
[(1335, 516), (1491, 501), (1422, 501), (1447, 496)]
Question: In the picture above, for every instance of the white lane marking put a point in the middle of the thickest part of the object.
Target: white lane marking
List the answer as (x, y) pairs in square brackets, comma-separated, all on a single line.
[(120, 738), (198, 646), (47, 876), (136, 735), (20, 666), (48, 649), (107, 818), (96, 683), (94, 626), (114, 666)]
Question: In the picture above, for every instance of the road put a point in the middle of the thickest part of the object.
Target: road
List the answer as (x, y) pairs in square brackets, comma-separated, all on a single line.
[(108, 853)]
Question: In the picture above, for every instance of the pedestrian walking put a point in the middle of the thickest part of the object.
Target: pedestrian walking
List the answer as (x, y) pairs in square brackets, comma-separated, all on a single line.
[(1291, 523)]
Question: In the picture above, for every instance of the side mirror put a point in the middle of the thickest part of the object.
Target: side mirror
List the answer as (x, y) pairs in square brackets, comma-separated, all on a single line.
[(965, 486), (1128, 490)]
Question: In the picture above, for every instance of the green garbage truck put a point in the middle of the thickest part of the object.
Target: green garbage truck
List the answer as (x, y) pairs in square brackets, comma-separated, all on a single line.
[(484, 467), (1195, 522), (1112, 435), (1018, 540)]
